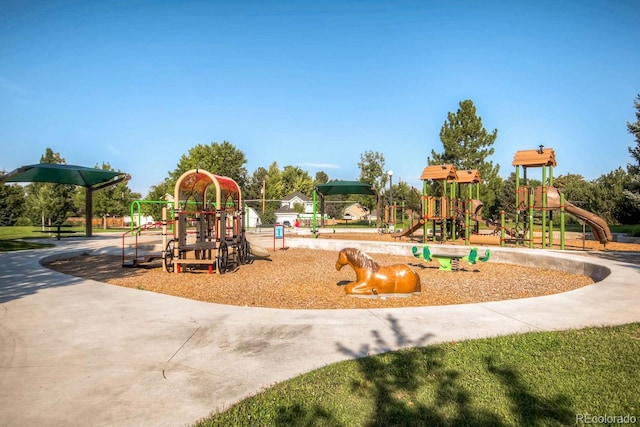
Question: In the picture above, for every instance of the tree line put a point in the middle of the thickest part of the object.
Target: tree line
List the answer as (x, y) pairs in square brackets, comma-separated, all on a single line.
[(466, 144)]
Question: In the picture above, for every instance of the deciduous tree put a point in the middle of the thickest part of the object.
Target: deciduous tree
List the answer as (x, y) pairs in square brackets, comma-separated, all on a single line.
[(50, 202), (217, 158), (607, 198), (294, 179), (372, 171), (12, 203), (321, 178)]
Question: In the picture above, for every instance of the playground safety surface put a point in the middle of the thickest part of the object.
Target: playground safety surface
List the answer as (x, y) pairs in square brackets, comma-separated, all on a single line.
[(307, 279)]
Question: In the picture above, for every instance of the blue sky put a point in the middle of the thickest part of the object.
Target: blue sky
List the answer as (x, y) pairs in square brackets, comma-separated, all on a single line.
[(137, 83)]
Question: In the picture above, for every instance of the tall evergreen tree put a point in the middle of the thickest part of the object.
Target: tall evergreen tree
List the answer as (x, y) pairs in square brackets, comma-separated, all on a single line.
[(467, 145), (632, 191)]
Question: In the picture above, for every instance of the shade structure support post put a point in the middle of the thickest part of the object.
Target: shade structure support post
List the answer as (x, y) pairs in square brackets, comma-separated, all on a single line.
[(315, 212), (562, 239), (88, 226)]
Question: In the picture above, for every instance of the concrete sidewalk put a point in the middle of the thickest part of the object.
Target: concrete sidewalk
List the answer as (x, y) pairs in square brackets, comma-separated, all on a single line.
[(80, 352)]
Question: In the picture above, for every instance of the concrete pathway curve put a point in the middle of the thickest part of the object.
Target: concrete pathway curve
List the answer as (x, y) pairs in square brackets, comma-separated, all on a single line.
[(78, 352)]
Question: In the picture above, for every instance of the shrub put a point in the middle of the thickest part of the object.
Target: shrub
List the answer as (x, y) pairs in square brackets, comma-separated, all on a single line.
[(23, 221)]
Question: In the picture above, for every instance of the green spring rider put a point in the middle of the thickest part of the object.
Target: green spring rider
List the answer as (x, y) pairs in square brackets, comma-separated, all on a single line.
[(450, 262)]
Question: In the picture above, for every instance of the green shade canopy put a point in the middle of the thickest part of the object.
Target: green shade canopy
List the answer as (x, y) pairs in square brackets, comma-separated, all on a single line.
[(62, 174), (346, 187), (90, 178)]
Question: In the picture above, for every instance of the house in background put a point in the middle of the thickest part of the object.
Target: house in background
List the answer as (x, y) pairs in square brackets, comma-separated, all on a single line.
[(286, 211), (252, 218), (357, 212), (138, 220)]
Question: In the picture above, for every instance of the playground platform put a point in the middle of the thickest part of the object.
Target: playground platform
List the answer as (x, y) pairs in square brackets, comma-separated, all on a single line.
[(75, 352)]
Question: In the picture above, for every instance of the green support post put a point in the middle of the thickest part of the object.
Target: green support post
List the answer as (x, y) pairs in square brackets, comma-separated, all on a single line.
[(467, 217), (425, 208), (452, 209), (562, 221), (531, 201), (433, 230), (443, 228), (544, 207), (137, 203), (517, 213), (551, 215), (502, 221)]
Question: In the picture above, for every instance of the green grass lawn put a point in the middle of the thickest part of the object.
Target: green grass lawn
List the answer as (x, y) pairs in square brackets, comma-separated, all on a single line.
[(534, 379), (16, 238)]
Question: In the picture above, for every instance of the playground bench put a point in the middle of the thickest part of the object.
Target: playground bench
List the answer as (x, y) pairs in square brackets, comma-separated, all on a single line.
[(57, 229)]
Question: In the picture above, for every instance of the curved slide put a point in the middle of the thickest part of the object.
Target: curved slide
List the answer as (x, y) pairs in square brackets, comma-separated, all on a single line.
[(598, 225), (258, 251)]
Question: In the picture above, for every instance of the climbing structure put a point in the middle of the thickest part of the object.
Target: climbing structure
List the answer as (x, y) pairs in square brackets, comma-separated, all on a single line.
[(436, 206), (470, 180), (540, 202), (208, 223)]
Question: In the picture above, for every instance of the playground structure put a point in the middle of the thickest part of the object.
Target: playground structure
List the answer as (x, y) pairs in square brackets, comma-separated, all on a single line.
[(373, 280), (450, 215), (407, 212), (207, 228), (545, 199), (450, 262)]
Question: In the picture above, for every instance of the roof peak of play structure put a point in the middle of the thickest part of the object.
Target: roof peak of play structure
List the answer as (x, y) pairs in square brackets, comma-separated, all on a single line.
[(194, 185), (439, 172), (468, 176), (449, 172), (535, 158)]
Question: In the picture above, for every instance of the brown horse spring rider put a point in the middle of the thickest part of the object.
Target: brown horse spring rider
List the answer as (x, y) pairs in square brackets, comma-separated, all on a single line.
[(374, 279)]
